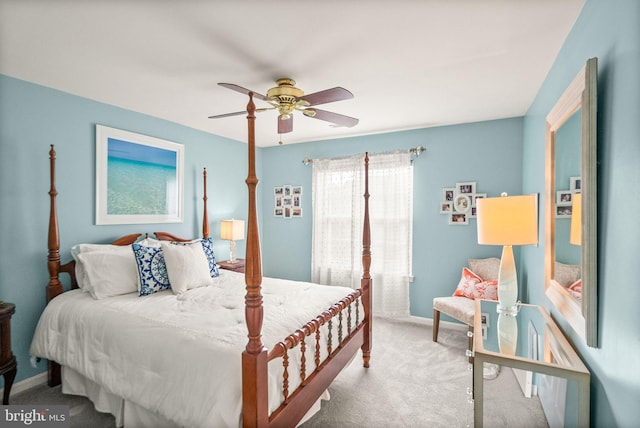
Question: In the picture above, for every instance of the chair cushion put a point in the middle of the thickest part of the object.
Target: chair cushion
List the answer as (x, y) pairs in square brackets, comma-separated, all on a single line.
[(460, 308)]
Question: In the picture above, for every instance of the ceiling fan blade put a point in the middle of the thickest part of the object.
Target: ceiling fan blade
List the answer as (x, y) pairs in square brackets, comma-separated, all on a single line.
[(238, 113), (285, 125), (327, 96), (218, 116), (242, 90), (338, 119)]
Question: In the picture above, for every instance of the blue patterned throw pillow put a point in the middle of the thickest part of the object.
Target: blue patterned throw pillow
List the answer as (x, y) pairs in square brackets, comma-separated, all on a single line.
[(207, 245), (151, 269)]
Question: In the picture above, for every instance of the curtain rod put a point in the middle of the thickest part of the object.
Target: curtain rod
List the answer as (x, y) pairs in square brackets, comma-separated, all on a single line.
[(414, 151)]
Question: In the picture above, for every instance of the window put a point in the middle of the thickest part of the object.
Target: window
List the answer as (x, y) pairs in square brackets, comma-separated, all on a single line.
[(338, 210)]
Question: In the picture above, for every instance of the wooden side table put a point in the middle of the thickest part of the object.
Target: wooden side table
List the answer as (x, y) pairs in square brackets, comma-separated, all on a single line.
[(8, 365), (238, 266)]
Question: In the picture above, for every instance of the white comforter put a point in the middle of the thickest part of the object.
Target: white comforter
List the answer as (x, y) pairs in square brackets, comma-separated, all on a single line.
[(178, 356)]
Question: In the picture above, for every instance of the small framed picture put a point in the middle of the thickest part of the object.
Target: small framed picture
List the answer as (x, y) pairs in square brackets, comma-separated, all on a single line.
[(287, 201), (448, 194), (446, 207), (484, 316), (278, 212), (462, 203), (575, 184), (288, 212), (563, 197), (467, 188), (296, 212), (296, 190), (278, 201), (484, 332), (474, 212), (563, 211), (476, 197), (458, 218), (287, 190), (278, 191)]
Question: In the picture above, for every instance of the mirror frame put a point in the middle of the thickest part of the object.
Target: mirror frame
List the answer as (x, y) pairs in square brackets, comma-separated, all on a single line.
[(581, 94)]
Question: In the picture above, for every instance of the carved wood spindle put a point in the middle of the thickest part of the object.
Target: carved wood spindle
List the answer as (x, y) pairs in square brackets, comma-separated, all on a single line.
[(340, 328), (349, 319), (303, 360), (285, 375), (317, 354), (330, 336), (357, 311)]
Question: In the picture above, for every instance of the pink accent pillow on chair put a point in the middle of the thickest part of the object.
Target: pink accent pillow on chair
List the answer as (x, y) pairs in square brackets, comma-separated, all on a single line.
[(474, 287)]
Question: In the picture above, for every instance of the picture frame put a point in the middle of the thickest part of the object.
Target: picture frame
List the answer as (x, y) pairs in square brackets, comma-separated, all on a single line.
[(475, 198), (458, 218), (564, 197), (462, 203), (466, 188), (448, 194), (446, 207), (575, 184), (287, 201), (473, 213), (139, 178), (564, 211)]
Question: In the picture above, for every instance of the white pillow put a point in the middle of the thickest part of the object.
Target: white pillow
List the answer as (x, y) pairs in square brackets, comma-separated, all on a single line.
[(107, 273), (566, 274), (187, 265), (84, 248)]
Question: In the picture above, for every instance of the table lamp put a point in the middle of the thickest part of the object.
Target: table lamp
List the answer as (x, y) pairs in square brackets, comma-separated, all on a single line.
[(232, 230), (575, 236), (507, 221)]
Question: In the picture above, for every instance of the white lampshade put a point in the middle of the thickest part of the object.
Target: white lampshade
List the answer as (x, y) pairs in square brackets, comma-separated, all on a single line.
[(232, 230), (508, 220), (575, 236)]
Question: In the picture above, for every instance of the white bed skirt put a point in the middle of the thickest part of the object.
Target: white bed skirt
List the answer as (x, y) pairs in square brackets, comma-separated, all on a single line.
[(126, 413)]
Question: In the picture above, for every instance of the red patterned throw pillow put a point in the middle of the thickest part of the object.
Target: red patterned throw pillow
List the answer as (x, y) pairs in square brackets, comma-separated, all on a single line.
[(474, 287)]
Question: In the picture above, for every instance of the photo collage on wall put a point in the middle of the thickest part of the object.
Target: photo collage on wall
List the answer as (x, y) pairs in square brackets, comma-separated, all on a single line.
[(564, 198), (288, 201), (459, 202)]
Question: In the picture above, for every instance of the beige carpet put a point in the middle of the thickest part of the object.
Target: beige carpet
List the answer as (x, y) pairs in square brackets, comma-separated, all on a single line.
[(412, 382)]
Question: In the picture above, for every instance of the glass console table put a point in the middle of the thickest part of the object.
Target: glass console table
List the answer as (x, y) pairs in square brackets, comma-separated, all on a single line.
[(529, 341)]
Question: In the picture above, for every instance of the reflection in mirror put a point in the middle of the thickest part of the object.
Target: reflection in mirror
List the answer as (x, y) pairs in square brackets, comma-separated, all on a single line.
[(570, 207)]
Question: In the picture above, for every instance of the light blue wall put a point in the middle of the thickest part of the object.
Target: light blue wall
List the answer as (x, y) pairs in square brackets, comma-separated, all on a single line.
[(31, 118), (489, 153), (610, 31)]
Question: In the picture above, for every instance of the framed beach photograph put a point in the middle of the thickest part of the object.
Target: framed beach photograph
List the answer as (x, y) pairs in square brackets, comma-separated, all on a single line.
[(139, 179)]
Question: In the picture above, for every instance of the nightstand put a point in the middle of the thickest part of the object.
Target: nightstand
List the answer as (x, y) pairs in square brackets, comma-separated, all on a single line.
[(238, 266), (8, 365)]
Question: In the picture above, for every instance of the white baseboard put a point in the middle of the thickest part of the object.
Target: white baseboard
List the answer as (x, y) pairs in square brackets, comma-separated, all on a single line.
[(28, 383), (446, 324)]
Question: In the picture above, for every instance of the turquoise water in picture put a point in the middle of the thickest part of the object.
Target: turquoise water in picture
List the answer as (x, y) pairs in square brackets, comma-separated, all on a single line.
[(141, 180)]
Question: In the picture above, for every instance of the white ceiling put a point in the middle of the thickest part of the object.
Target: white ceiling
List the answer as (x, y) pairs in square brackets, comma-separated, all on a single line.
[(409, 63)]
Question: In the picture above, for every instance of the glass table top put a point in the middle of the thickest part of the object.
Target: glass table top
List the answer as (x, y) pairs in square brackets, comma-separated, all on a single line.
[(531, 335)]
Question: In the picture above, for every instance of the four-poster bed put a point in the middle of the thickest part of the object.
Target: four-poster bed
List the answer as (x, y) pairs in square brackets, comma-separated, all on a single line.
[(303, 361)]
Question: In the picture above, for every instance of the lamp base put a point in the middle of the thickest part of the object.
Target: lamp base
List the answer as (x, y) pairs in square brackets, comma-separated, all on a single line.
[(507, 283)]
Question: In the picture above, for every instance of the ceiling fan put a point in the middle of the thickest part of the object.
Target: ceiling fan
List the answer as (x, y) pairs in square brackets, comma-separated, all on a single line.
[(286, 98)]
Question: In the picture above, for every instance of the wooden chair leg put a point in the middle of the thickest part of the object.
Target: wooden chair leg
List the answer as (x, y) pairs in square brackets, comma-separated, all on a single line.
[(436, 324)]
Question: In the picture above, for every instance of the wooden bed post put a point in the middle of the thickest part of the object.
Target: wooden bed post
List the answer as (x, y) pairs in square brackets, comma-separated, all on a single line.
[(54, 287), (205, 216), (255, 409), (365, 282)]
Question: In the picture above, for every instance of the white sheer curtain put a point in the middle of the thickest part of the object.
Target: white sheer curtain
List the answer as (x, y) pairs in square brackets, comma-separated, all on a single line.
[(338, 210)]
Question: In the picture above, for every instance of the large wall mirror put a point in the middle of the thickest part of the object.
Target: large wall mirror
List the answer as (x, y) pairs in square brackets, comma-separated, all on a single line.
[(571, 205)]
